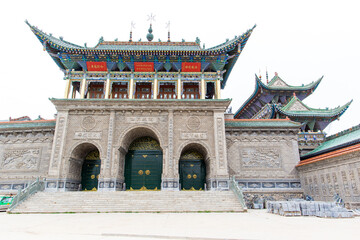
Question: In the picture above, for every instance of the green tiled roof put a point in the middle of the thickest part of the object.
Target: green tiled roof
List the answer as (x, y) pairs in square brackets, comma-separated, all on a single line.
[(149, 46), (342, 139), (311, 112), (27, 124), (111, 46), (285, 86), (261, 123)]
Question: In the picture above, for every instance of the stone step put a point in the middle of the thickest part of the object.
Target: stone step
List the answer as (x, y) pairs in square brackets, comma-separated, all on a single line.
[(131, 201)]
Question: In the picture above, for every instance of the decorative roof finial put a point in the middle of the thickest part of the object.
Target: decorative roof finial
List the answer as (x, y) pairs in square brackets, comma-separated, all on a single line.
[(197, 40), (267, 76), (150, 36), (168, 27), (276, 73), (131, 28)]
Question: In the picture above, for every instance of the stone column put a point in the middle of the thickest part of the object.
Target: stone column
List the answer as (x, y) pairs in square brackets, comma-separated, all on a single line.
[(73, 95), (67, 88), (82, 87), (179, 87), (218, 89), (202, 88), (107, 91), (155, 92), (131, 87)]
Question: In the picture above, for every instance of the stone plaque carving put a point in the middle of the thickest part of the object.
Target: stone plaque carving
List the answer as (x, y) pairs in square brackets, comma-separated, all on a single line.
[(88, 123), (22, 159), (185, 135), (260, 158), (193, 123), (141, 119), (87, 135)]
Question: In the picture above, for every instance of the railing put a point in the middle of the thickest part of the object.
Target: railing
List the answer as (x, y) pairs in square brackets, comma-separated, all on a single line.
[(25, 193), (238, 192)]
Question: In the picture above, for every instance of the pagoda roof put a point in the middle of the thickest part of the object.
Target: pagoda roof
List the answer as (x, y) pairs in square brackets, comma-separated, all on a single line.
[(343, 139), (61, 50), (277, 84), (265, 93), (113, 47), (296, 108)]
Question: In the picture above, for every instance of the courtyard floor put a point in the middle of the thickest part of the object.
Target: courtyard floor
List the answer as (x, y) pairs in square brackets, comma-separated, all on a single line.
[(255, 224)]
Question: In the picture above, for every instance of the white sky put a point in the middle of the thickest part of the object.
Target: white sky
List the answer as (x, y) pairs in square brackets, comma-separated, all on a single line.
[(301, 40)]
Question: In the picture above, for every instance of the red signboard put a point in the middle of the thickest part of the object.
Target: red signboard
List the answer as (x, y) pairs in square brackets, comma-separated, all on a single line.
[(191, 67), (144, 66), (96, 66)]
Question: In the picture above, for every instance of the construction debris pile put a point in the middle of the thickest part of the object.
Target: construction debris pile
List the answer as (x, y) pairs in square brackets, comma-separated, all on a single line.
[(308, 208)]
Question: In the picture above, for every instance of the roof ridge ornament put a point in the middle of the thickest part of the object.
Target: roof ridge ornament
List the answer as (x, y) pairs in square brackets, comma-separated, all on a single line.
[(150, 36), (132, 25), (168, 27)]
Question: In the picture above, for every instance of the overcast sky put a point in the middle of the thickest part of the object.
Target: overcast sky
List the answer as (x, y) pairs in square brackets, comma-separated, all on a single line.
[(301, 40)]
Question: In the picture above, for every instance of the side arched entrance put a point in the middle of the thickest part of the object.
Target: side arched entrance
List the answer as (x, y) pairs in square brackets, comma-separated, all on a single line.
[(143, 165), (192, 170), (90, 171), (84, 166)]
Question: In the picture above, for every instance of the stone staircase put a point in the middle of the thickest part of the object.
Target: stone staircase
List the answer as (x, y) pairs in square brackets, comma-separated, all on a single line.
[(130, 201)]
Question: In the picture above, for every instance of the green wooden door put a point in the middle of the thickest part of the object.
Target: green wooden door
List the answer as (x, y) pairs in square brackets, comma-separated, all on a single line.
[(143, 169), (90, 174), (192, 174)]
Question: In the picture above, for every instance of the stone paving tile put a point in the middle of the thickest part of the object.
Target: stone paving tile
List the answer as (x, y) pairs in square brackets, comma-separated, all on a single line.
[(255, 224)]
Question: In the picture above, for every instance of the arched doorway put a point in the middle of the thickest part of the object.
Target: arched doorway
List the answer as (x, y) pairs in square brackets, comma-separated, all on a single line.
[(192, 170), (143, 165), (84, 167), (90, 171)]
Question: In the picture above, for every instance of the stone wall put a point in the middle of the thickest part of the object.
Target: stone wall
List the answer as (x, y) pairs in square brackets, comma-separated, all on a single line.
[(24, 156), (335, 175), (263, 161), (111, 126)]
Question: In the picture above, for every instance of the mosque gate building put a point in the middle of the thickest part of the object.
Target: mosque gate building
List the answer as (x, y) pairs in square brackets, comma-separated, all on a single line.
[(149, 116)]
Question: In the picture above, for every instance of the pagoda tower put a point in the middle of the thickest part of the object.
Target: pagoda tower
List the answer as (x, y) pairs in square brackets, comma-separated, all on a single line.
[(279, 100)]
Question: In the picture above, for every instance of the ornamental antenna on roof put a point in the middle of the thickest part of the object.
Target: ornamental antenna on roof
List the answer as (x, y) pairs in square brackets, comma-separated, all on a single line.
[(131, 28), (168, 27), (267, 76), (150, 36)]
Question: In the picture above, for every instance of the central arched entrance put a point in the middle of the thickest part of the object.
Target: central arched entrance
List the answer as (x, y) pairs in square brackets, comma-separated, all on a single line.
[(143, 165), (90, 171), (192, 170)]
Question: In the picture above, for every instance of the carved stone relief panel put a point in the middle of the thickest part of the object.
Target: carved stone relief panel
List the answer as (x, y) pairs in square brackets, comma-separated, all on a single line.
[(260, 158), (21, 159), (88, 123), (193, 123)]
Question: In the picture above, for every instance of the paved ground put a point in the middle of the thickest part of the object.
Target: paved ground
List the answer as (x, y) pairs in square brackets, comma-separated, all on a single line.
[(256, 224)]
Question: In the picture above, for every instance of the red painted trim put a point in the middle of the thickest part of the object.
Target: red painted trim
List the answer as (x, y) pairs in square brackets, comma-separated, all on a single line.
[(332, 154)]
